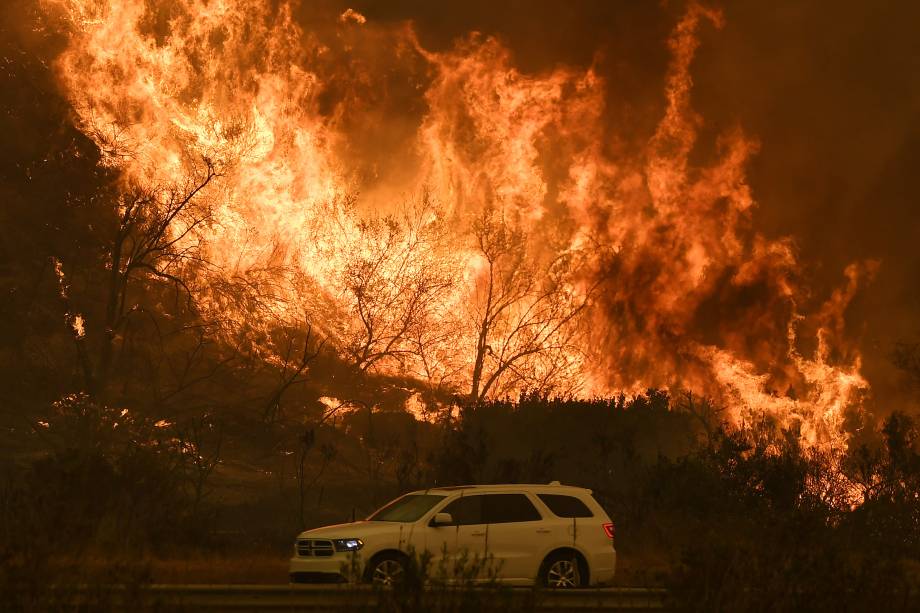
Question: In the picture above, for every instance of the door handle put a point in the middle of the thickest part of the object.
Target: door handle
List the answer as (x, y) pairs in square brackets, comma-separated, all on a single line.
[(543, 531), (477, 534)]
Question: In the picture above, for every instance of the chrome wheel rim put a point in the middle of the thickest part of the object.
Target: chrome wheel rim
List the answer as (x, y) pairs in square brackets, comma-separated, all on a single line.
[(563, 573), (388, 572)]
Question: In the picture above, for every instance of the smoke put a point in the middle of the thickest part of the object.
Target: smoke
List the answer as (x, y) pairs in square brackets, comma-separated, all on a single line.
[(832, 92)]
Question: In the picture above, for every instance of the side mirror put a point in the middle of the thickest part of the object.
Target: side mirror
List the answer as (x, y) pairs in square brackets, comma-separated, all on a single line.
[(442, 519)]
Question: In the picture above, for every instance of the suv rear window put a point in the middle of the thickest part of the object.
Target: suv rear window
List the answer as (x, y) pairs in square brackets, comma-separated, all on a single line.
[(506, 508), (565, 506)]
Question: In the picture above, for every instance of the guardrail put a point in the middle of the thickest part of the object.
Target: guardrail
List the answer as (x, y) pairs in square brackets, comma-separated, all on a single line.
[(239, 598)]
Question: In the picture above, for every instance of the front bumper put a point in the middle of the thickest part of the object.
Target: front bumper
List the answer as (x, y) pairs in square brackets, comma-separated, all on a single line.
[(337, 568)]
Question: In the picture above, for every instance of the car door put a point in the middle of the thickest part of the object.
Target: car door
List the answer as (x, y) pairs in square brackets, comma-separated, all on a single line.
[(459, 547), (516, 535)]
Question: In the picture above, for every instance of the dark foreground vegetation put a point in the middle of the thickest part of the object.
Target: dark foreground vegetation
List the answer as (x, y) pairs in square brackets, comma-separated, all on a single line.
[(728, 519)]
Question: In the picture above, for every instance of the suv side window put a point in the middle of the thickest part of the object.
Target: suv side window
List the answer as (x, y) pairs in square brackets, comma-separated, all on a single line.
[(506, 508), (465, 510), (565, 506)]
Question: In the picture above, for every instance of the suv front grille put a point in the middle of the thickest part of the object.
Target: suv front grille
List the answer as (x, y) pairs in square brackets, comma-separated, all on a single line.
[(314, 548)]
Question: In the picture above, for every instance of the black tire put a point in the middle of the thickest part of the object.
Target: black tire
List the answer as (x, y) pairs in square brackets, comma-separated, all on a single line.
[(564, 570), (386, 569)]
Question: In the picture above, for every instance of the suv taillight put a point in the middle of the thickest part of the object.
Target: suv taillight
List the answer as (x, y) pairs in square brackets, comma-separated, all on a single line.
[(608, 530)]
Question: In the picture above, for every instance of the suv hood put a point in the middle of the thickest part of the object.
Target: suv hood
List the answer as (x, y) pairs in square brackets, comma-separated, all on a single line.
[(358, 529)]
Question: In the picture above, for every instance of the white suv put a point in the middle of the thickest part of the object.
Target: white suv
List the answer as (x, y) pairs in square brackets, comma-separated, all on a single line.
[(556, 535)]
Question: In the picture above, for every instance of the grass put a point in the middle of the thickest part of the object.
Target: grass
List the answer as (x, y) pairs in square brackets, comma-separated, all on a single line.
[(642, 569), (252, 568), (267, 568), (193, 568), (644, 566)]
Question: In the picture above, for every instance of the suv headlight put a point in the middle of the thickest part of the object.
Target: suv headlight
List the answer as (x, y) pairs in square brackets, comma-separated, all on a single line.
[(348, 544)]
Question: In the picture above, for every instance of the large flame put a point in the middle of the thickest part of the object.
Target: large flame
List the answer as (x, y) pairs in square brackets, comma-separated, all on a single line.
[(679, 289)]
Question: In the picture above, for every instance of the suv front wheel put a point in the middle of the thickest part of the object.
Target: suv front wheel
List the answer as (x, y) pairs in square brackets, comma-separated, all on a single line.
[(386, 569), (563, 571)]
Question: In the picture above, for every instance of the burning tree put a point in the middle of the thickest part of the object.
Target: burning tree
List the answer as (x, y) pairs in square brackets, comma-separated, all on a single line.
[(154, 238), (395, 273), (524, 319)]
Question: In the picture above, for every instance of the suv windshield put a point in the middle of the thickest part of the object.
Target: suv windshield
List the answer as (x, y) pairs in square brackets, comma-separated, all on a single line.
[(408, 508)]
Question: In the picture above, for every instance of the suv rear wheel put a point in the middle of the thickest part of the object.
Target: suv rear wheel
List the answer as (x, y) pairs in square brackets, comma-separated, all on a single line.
[(563, 570)]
